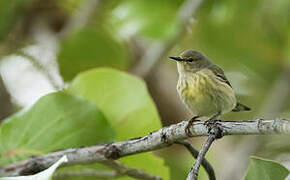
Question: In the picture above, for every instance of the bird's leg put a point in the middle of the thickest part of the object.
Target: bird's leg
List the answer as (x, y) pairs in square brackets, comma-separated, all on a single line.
[(190, 122), (213, 125), (212, 119)]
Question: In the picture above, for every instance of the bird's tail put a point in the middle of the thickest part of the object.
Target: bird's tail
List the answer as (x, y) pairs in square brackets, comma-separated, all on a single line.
[(241, 107)]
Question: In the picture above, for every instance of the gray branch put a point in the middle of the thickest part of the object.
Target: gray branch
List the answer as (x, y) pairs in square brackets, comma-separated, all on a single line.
[(215, 132), (131, 172), (206, 165), (88, 173), (119, 169), (193, 173), (155, 140)]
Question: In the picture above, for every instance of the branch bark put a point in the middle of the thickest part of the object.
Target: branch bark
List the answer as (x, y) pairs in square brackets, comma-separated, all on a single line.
[(88, 173), (132, 172), (119, 169), (155, 140), (215, 132), (193, 173), (207, 166)]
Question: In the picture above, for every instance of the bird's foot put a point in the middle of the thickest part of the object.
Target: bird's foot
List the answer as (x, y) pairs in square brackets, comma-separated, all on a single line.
[(211, 120), (190, 122), (194, 118), (214, 127)]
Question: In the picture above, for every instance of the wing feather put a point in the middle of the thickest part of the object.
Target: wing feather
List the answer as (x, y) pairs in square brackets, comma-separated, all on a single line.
[(220, 75)]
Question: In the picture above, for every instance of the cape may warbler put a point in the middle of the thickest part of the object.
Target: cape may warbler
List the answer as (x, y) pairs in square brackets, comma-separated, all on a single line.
[(203, 86)]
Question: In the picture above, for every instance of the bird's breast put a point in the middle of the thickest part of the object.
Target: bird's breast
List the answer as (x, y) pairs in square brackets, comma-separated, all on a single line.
[(204, 94), (191, 86)]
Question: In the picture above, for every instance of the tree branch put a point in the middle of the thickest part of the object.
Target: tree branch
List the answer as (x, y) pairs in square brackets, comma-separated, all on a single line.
[(88, 173), (193, 173), (155, 140), (206, 165), (81, 17), (215, 132), (119, 170), (40, 67), (132, 172)]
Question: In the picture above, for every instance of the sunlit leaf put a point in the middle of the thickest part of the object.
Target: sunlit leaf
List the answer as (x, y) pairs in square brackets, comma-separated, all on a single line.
[(262, 169), (55, 121), (122, 98), (128, 107)]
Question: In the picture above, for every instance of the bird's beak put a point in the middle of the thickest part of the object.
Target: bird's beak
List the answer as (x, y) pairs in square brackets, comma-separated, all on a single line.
[(176, 58)]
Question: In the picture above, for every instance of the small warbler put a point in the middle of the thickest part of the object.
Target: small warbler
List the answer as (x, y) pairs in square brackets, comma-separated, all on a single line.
[(203, 87)]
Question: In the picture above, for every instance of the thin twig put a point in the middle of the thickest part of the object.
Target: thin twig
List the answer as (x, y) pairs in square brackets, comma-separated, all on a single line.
[(193, 173), (131, 172), (81, 17), (207, 166), (87, 173), (40, 67), (155, 140), (119, 169), (215, 132)]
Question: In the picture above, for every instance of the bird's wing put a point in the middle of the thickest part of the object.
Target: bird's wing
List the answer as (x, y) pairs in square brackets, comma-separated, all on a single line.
[(220, 75)]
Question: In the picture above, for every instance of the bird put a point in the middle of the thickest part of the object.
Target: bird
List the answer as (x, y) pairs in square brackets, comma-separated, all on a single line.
[(204, 88)]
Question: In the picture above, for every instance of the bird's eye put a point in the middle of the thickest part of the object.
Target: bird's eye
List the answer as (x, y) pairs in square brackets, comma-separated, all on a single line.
[(190, 59)]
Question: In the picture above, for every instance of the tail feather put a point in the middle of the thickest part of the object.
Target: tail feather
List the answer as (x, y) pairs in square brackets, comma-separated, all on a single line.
[(241, 107)]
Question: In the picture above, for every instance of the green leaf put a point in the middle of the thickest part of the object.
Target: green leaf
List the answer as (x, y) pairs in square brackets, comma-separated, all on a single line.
[(150, 18), (262, 169), (128, 107), (43, 175), (122, 98), (56, 121), (90, 48)]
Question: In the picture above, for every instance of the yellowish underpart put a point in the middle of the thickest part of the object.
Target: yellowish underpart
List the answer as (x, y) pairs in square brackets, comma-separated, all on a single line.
[(204, 94)]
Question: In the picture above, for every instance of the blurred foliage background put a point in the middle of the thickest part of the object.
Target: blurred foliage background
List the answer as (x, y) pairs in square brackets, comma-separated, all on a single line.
[(50, 46)]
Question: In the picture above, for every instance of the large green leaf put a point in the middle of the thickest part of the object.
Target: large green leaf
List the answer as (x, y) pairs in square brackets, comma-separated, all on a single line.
[(122, 98), (262, 169), (56, 121), (129, 108), (90, 48)]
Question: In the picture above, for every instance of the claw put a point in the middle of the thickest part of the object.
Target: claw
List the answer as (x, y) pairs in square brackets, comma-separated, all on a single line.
[(190, 122), (214, 128)]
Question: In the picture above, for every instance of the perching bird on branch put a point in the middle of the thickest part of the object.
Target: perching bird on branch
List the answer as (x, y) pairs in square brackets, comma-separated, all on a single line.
[(203, 86)]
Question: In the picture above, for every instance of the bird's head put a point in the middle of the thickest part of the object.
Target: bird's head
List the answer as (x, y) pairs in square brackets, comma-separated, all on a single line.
[(191, 61)]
